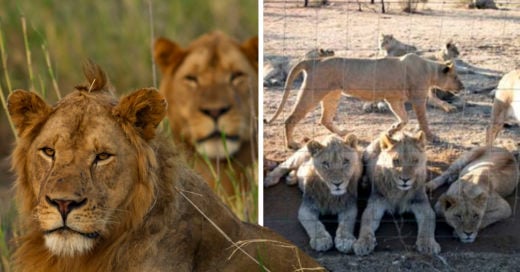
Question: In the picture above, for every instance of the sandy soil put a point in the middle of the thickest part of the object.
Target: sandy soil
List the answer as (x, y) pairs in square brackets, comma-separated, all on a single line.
[(486, 38)]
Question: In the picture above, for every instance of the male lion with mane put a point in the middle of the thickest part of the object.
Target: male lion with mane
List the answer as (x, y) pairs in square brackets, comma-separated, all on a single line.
[(98, 190), (396, 169), (328, 175), (396, 80), (211, 87)]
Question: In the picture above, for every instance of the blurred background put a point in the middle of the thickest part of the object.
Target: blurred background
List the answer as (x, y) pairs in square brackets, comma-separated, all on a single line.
[(59, 35)]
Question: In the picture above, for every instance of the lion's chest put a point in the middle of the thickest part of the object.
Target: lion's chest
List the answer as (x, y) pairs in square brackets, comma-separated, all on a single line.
[(317, 194)]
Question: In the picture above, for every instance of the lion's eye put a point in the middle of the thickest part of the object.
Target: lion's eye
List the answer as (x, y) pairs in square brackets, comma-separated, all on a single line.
[(325, 164), (192, 79), (458, 216), (346, 161), (475, 216), (102, 156), (49, 152), (395, 161), (235, 75)]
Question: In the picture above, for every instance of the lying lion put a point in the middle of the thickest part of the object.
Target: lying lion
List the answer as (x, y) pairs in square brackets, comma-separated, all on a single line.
[(390, 46), (480, 179), (397, 80), (328, 174), (212, 89), (98, 190), (396, 169), (506, 104)]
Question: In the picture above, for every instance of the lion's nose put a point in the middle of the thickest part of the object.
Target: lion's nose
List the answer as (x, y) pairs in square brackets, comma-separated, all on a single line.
[(405, 180), (215, 113), (65, 206), (468, 234)]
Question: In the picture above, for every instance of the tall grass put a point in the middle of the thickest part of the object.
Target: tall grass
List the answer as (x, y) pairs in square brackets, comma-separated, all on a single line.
[(43, 43)]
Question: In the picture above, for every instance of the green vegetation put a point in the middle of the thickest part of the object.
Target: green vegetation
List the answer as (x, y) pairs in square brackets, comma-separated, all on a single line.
[(44, 43)]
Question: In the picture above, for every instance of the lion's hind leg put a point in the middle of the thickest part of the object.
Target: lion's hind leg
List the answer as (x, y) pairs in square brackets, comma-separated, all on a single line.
[(498, 117), (398, 109)]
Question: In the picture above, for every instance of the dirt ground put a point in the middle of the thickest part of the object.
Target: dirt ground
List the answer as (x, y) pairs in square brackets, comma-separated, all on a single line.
[(487, 39)]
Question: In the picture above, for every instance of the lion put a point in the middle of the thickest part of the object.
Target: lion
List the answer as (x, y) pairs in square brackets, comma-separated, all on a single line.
[(396, 80), (506, 104), (276, 68), (328, 175), (448, 52), (396, 169), (98, 189), (211, 87), (480, 179), (390, 46)]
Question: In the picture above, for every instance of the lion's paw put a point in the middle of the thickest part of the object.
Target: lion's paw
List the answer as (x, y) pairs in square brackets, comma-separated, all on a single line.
[(270, 180), (428, 246), (364, 245), (449, 108), (322, 242), (344, 244)]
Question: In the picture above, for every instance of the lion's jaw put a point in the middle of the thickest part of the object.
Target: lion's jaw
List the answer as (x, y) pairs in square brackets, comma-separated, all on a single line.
[(217, 148), (67, 243)]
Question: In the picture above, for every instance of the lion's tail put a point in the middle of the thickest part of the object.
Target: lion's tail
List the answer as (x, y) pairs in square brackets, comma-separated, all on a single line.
[(301, 66)]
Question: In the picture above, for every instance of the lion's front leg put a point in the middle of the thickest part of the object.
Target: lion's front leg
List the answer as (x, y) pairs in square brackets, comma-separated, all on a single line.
[(329, 105), (320, 239), (398, 109), (420, 111), (370, 220), (497, 209), (345, 232), (425, 217)]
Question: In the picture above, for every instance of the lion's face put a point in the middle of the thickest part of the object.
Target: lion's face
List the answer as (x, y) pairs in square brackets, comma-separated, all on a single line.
[(335, 162), (450, 51), (404, 158), (386, 41), (211, 88), (78, 166), (448, 79), (464, 213)]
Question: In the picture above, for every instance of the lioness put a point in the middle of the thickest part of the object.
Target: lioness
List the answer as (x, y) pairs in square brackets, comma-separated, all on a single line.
[(390, 46), (98, 190), (479, 180), (505, 105), (211, 87), (396, 169), (397, 80), (328, 175), (449, 52)]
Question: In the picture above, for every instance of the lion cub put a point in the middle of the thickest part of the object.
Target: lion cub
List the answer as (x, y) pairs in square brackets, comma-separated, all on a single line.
[(506, 104), (328, 174), (479, 180), (396, 169), (390, 46)]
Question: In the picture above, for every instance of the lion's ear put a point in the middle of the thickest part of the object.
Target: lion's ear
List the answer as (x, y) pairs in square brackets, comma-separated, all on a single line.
[(167, 53), (314, 147), (447, 202), (143, 109), (420, 137), (448, 65), (250, 49), (351, 140), (386, 142), (481, 199), (27, 110)]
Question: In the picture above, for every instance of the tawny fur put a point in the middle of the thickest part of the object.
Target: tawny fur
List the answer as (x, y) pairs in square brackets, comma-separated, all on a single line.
[(212, 89), (390, 46), (396, 169), (327, 173), (506, 104), (396, 80), (91, 170), (480, 179)]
